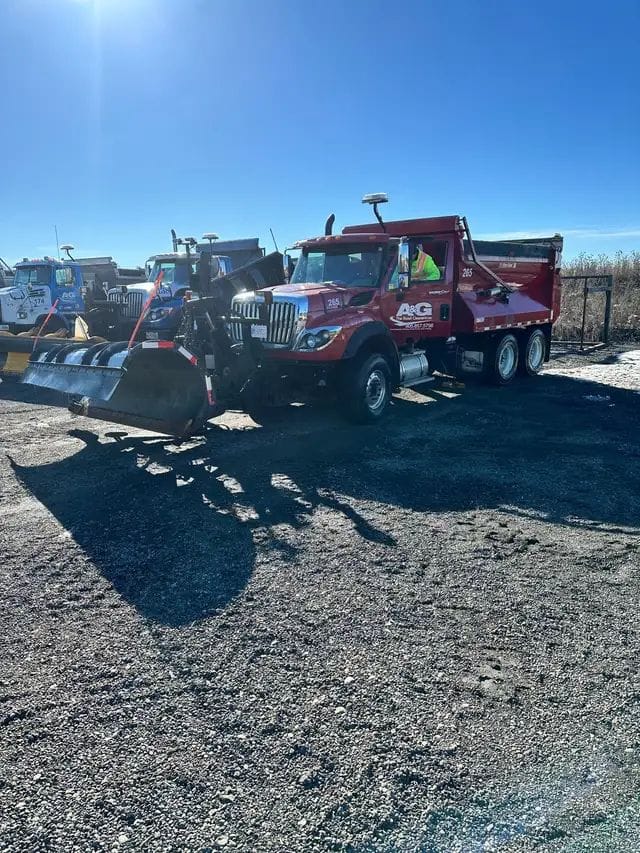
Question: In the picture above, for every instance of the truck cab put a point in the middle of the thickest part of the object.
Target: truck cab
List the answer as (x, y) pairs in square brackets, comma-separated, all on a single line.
[(38, 284), (381, 306), (180, 273)]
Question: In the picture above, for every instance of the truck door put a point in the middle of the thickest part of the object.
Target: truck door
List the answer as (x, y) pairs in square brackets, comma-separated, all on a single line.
[(424, 310), (68, 289)]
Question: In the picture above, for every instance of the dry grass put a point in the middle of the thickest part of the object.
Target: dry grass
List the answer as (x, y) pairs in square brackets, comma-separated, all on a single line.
[(625, 319)]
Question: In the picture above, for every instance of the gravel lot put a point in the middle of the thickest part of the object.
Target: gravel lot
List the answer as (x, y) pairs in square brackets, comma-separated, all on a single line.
[(421, 636)]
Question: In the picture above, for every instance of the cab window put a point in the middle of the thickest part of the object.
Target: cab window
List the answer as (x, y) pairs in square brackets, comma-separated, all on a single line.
[(64, 276), (428, 259)]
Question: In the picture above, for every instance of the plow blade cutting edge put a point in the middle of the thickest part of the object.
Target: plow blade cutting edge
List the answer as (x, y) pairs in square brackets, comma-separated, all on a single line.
[(150, 387), (15, 351)]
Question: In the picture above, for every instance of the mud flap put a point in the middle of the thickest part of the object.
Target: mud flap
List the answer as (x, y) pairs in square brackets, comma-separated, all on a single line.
[(153, 387)]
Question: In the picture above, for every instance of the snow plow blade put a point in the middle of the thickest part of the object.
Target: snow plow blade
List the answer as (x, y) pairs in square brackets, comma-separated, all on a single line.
[(16, 349), (154, 386), (14, 353)]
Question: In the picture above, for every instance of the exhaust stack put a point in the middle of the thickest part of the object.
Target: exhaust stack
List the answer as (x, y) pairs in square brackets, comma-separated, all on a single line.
[(328, 225)]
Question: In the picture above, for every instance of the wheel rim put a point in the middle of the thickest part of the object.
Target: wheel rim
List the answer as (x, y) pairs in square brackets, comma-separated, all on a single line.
[(536, 352), (507, 359), (375, 391)]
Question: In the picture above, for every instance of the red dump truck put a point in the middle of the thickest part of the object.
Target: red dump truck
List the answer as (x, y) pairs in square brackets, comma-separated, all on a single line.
[(362, 315)]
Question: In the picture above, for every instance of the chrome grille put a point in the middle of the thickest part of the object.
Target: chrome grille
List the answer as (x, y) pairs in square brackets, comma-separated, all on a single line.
[(283, 317), (132, 308)]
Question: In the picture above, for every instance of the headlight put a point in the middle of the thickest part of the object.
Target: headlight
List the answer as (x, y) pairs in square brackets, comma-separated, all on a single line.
[(159, 313), (315, 339)]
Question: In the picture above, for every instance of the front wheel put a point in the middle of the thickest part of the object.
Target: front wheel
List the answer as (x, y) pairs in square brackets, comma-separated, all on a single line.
[(533, 353), (366, 389), (503, 360)]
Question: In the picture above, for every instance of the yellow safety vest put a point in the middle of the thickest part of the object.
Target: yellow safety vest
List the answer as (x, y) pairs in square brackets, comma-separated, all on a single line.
[(424, 267)]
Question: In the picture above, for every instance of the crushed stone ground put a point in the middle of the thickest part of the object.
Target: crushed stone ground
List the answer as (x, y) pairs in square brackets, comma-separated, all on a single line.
[(418, 636)]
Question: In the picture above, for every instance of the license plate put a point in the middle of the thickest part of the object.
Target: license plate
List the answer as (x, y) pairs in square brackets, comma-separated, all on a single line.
[(152, 336), (259, 331), (4, 327)]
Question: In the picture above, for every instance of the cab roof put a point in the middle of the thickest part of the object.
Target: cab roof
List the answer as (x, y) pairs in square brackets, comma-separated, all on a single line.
[(393, 230), (408, 227), (46, 261), (175, 256), (363, 237)]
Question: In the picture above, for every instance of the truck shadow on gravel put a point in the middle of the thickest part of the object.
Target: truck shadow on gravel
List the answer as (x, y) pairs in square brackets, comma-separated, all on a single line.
[(175, 528)]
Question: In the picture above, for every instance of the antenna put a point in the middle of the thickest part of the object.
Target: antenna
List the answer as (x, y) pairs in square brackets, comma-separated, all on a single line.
[(274, 240), (68, 248), (211, 237), (55, 228), (375, 199)]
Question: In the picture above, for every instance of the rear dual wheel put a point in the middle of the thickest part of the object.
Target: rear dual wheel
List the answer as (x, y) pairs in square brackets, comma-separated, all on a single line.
[(508, 357), (533, 353), (503, 360)]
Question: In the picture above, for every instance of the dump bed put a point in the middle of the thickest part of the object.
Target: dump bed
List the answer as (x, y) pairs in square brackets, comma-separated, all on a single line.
[(531, 266), (241, 252)]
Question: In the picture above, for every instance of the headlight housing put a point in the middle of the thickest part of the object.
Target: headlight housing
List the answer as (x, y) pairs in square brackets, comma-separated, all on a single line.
[(160, 313), (312, 340)]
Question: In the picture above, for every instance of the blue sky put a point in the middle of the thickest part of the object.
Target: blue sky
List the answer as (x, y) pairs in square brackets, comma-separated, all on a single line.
[(123, 118)]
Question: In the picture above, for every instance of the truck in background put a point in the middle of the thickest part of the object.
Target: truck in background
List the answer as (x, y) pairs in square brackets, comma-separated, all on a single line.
[(74, 286), (6, 274), (62, 291), (182, 271)]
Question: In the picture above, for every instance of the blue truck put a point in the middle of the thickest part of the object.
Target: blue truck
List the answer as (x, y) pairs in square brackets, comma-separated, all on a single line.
[(63, 291), (78, 286), (111, 299), (37, 285), (182, 271)]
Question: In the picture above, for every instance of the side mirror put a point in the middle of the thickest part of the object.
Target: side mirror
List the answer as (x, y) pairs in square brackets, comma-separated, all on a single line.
[(287, 264), (214, 267), (404, 265)]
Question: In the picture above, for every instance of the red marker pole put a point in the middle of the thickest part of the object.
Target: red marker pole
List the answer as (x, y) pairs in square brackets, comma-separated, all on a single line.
[(46, 320), (145, 308)]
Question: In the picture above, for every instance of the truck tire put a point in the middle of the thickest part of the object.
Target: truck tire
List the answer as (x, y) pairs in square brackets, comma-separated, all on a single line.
[(57, 325), (532, 354), (257, 402), (366, 389), (503, 360)]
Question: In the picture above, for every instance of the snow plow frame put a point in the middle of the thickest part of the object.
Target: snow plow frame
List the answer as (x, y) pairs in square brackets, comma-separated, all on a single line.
[(162, 385)]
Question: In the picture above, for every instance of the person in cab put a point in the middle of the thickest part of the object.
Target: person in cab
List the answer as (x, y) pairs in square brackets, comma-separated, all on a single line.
[(423, 267)]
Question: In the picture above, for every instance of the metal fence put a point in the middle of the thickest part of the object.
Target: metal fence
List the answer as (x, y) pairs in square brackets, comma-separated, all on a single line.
[(586, 309)]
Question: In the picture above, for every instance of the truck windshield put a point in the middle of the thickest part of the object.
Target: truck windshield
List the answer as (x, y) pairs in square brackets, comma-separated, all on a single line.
[(39, 275), (174, 272), (350, 265)]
